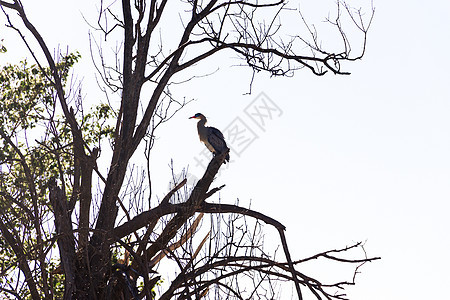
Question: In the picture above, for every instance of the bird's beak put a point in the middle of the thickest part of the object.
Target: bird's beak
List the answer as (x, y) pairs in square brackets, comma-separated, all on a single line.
[(193, 117)]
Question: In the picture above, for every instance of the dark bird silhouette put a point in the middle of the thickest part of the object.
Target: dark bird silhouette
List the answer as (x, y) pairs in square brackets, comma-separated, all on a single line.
[(211, 137)]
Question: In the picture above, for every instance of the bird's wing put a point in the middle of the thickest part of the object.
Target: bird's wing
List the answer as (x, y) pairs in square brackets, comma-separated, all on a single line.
[(216, 140), (215, 131)]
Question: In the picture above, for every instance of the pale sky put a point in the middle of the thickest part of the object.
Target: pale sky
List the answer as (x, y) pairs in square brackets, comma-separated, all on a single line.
[(364, 157)]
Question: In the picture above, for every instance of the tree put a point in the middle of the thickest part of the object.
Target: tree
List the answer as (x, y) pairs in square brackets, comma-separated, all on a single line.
[(49, 180)]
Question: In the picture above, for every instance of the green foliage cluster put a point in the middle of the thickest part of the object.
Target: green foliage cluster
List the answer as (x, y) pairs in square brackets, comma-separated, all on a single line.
[(35, 148), (96, 125), (29, 132), (32, 133)]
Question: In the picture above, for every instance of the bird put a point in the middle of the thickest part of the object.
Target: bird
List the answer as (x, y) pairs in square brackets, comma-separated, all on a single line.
[(211, 137)]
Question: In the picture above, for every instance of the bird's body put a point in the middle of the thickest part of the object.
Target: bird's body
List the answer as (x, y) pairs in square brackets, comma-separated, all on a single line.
[(211, 137)]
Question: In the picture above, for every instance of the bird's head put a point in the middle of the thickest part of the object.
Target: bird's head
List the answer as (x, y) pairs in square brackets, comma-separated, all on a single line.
[(197, 116)]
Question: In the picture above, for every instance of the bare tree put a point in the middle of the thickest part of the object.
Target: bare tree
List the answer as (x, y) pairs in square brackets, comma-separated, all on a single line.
[(101, 254)]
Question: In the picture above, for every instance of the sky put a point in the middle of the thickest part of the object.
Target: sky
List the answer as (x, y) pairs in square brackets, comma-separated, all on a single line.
[(341, 159)]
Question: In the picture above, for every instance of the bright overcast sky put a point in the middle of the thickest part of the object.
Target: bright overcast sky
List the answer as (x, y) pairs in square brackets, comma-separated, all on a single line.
[(364, 157)]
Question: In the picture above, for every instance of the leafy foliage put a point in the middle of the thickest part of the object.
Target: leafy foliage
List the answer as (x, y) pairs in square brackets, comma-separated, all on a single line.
[(35, 148)]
